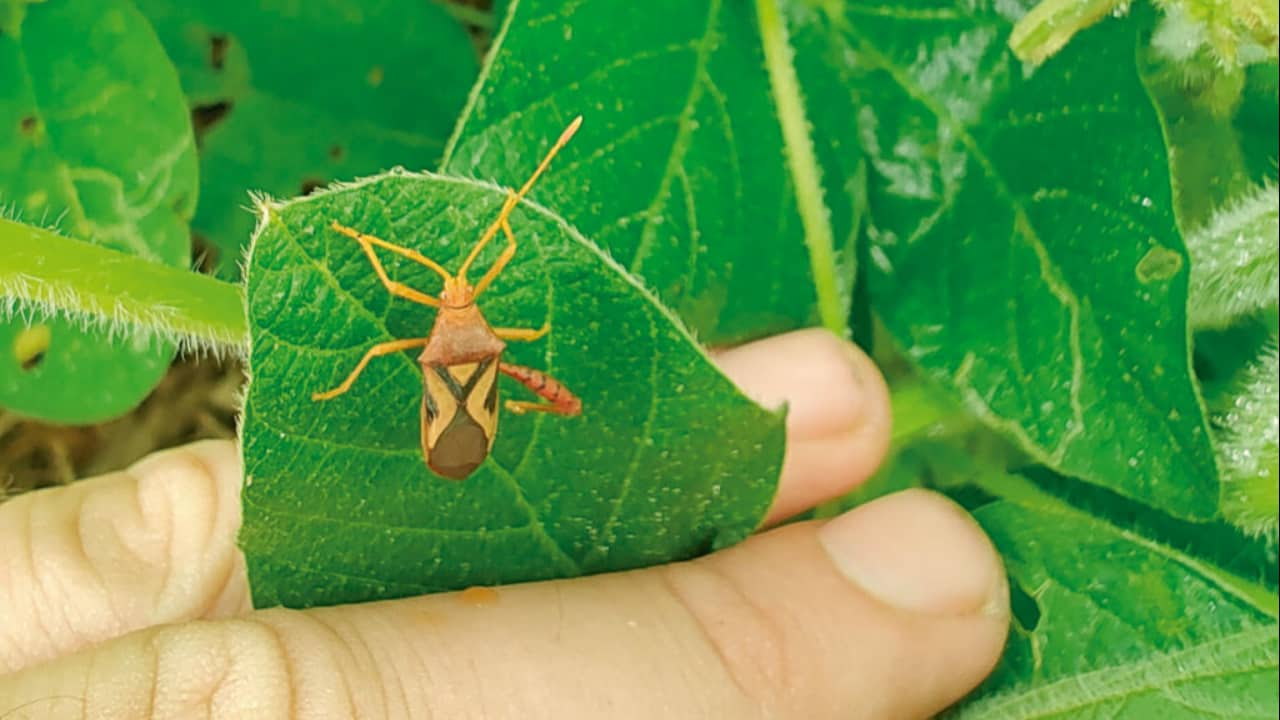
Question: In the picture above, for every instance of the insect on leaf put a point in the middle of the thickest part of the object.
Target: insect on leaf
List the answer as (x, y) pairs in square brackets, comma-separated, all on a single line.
[(667, 459), (689, 184)]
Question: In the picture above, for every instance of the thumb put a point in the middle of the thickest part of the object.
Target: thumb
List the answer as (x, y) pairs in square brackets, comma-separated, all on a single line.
[(893, 610)]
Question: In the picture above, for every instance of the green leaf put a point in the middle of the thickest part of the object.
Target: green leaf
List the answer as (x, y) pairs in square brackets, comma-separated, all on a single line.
[(680, 170), (1257, 118), (395, 75), (44, 275), (1109, 623), (94, 136), (338, 504), (1024, 247)]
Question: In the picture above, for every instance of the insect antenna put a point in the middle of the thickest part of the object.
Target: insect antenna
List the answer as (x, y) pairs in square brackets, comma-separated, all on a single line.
[(512, 200)]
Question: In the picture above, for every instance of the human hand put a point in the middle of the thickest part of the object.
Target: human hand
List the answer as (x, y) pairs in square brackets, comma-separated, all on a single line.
[(125, 596)]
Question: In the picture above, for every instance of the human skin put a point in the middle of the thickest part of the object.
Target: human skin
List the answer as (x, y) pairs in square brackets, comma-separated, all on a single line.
[(124, 596)]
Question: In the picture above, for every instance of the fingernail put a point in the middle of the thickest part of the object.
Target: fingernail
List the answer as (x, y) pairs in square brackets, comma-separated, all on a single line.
[(918, 551)]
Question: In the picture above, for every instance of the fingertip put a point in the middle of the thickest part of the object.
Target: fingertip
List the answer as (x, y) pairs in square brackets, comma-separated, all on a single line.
[(838, 418)]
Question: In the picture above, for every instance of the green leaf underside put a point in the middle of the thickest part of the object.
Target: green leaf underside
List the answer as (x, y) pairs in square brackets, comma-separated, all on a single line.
[(667, 460), (1024, 246), (99, 143), (1127, 627), (679, 169), (396, 74)]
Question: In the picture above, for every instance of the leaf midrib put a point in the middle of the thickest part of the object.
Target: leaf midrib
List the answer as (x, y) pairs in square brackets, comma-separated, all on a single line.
[(1154, 673)]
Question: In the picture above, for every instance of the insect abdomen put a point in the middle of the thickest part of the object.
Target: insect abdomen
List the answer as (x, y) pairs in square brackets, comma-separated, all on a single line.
[(459, 416)]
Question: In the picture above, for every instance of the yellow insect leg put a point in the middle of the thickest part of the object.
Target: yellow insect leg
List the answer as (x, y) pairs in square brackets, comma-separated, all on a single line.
[(385, 348), (522, 334), (398, 289)]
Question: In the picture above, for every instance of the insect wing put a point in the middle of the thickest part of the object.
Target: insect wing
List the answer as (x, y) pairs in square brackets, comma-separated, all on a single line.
[(459, 416)]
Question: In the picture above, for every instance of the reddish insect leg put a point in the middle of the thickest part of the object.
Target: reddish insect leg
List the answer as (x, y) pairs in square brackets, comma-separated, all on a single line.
[(558, 398)]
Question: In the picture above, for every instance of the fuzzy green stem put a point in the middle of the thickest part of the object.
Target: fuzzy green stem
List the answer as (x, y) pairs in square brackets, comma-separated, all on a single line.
[(803, 165), (1048, 26), (44, 273)]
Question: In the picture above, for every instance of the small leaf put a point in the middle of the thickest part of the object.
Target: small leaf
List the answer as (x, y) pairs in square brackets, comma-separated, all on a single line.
[(666, 461), (685, 158), (1023, 239), (1109, 623), (395, 75), (94, 136)]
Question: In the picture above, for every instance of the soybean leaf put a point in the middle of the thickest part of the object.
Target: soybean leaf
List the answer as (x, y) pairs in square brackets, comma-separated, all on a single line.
[(689, 184), (1257, 119), (1109, 622), (94, 137), (339, 505), (1023, 240), (288, 96)]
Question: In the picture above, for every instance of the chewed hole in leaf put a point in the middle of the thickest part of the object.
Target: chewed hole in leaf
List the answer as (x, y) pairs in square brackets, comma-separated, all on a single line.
[(1026, 611), (217, 51), (310, 185), (30, 346), (204, 117)]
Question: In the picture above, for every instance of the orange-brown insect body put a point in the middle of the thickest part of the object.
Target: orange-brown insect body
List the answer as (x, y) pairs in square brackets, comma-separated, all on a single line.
[(462, 356), (459, 414)]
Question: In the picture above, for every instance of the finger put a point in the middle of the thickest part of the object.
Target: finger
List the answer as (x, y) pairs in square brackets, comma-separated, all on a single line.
[(838, 419), (895, 609), (152, 544)]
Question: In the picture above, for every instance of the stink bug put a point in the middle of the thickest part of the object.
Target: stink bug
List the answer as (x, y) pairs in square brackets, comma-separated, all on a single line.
[(462, 355)]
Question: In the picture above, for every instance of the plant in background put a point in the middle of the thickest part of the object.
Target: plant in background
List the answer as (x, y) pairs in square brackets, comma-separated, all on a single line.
[(1056, 228)]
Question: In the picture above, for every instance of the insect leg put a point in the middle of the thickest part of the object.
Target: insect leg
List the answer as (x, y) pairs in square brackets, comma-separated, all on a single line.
[(385, 348), (515, 198), (559, 399), (507, 253), (523, 334), (398, 289)]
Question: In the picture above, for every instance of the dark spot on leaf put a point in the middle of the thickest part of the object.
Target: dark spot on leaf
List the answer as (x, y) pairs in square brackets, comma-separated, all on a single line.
[(217, 51), (335, 152), (30, 346), (29, 124), (1025, 608), (376, 76), (310, 185), (204, 117)]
